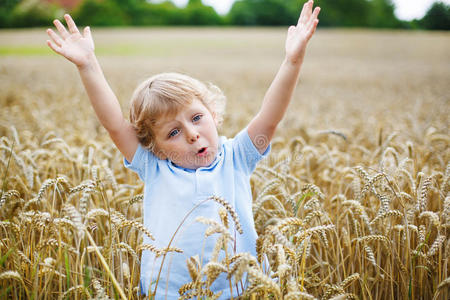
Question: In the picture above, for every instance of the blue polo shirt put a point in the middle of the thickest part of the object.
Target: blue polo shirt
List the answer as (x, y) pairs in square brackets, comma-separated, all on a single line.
[(171, 192)]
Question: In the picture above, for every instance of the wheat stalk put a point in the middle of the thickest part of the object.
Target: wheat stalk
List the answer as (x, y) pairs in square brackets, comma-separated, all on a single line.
[(436, 245), (230, 210), (422, 199), (212, 270), (434, 218), (257, 276), (100, 292)]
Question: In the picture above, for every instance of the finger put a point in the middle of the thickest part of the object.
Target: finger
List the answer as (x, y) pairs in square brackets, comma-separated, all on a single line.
[(71, 24), (55, 38), (62, 30), (312, 28), (306, 12), (314, 14), (309, 10), (54, 47), (87, 35), (313, 18), (86, 32), (316, 22), (291, 29)]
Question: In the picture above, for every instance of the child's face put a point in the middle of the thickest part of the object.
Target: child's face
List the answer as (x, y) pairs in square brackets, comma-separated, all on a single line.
[(189, 139)]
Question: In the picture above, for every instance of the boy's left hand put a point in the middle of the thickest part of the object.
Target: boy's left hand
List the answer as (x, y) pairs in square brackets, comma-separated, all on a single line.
[(298, 36)]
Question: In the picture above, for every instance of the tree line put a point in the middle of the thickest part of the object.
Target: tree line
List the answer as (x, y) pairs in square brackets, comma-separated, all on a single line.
[(342, 13)]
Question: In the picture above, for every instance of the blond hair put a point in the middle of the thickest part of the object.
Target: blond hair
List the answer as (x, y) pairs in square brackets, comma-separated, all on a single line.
[(167, 94)]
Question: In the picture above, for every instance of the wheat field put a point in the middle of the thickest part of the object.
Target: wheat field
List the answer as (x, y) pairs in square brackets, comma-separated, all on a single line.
[(352, 203)]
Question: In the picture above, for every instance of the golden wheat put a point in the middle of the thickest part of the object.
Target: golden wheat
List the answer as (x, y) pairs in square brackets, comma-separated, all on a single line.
[(357, 181)]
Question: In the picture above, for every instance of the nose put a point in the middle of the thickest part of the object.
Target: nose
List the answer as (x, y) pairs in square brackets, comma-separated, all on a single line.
[(192, 135)]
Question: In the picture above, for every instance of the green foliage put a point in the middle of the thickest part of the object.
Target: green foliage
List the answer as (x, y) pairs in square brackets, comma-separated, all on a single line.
[(261, 12), (100, 13), (143, 13), (437, 17), (342, 13), (27, 13), (382, 14), (196, 13), (6, 6), (241, 13)]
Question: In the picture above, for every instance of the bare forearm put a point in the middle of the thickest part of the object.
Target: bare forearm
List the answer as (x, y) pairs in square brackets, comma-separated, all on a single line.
[(107, 108), (79, 49), (279, 94), (101, 96), (262, 128)]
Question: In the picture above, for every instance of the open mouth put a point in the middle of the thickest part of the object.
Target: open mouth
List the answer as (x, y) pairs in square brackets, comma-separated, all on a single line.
[(201, 151)]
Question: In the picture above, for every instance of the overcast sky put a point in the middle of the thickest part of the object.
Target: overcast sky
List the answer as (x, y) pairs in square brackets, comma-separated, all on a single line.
[(405, 9)]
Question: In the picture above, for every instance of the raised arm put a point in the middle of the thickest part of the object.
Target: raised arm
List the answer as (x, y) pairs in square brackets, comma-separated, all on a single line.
[(79, 49), (262, 128)]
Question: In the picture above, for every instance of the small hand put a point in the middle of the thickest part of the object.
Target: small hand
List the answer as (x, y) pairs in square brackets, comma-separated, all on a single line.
[(71, 44), (298, 36)]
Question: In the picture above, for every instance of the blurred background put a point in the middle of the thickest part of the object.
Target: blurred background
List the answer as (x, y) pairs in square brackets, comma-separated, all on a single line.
[(405, 14)]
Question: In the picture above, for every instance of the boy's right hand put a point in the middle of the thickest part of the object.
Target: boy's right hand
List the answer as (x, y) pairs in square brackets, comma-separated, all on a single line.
[(71, 44)]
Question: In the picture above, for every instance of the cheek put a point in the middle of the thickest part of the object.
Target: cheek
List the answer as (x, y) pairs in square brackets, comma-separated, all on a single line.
[(160, 154), (159, 151), (171, 149)]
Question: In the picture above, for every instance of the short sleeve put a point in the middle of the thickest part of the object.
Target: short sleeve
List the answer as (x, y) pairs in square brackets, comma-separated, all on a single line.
[(245, 154), (141, 159)]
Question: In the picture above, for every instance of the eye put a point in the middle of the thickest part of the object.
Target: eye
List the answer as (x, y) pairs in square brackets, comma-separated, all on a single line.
[(197, 118), (173, 133)]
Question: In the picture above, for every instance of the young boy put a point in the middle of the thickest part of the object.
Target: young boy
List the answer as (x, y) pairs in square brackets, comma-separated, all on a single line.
[(173, 145)]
